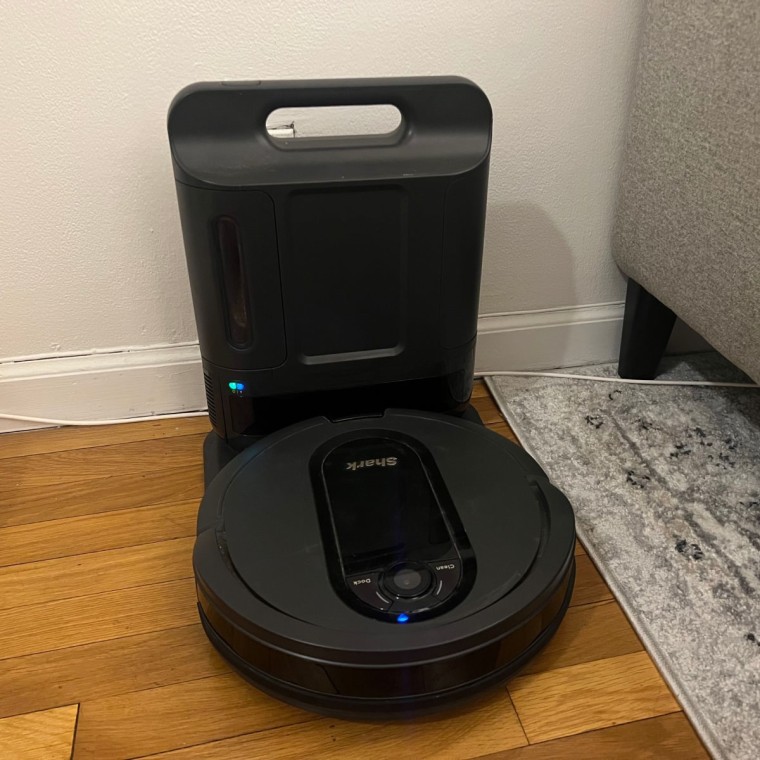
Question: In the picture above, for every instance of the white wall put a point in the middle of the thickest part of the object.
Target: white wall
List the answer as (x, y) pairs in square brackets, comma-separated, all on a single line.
[(90, 252)]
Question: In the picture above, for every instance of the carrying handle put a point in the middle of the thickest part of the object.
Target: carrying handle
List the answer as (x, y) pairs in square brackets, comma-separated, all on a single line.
[(236, 109)]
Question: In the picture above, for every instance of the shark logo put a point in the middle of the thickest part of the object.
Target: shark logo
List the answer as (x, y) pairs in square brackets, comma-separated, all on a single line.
[(365, 463)]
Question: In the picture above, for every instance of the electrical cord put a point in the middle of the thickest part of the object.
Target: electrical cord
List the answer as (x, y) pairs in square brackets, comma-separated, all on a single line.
[(496, 373), (87, 423), (629, 381)]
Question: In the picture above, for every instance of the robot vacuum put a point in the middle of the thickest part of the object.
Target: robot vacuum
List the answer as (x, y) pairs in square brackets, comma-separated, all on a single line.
[(366, 547)]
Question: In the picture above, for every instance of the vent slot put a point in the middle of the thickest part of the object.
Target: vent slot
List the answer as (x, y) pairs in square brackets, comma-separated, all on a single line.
[(210, 401)]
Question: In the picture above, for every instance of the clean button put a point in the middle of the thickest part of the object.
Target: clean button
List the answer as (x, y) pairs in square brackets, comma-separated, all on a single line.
[(447, 574)]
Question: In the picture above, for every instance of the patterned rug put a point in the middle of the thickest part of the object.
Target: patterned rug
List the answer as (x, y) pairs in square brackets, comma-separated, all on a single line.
[(665, 482)]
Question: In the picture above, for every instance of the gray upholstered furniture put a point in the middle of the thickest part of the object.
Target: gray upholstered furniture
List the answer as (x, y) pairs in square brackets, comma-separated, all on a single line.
[(687, 229)]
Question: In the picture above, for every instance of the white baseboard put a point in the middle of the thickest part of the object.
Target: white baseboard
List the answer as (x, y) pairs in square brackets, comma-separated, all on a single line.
[(163, 379), (549, 338), (104, 385)]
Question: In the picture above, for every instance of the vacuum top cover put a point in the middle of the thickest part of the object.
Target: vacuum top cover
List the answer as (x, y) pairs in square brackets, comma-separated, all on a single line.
[(337, 532)]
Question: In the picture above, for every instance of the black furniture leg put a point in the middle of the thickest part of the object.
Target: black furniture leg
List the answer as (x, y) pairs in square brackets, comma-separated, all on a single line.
[(647, 325)]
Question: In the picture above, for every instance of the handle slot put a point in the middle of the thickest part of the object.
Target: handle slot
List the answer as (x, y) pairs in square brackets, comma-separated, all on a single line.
[(338, 121)]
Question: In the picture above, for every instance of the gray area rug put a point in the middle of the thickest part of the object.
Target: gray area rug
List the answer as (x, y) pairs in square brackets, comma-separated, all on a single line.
[(665, 483)]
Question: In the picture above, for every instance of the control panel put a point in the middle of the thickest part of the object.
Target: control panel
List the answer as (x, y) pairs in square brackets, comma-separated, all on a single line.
[(396, 547), (408, 587)]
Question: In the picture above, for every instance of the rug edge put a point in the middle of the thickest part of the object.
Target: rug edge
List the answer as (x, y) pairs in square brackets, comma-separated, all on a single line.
[(694, 715)]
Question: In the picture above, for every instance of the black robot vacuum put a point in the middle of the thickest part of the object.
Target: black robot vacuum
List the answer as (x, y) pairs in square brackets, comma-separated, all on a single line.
[(366, 547)]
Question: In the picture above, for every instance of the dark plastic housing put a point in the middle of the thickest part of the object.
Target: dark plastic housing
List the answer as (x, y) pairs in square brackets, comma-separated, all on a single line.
[(335, 276), (271, 603)]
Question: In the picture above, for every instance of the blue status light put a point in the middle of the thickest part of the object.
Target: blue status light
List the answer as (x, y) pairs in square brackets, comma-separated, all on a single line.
[(402, 618), (236, 386)]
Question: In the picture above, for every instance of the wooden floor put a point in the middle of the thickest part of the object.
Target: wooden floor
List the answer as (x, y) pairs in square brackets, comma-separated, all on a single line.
[(102, 655)]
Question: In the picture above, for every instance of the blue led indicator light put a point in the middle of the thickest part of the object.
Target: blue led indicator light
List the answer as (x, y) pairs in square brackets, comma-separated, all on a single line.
[(239, 386), (402, 618)]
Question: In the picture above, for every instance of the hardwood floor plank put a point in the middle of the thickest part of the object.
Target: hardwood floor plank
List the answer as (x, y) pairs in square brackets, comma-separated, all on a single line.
[(22, 506), (98, 617), (33, 442), (590, 632), (480, 389), (52, 580), (25, 505), (44, 735), (94, 533), (107, 668), (589, 585), (488, 725), (487, 410), (589, 696), (579, 548), (667, 737), (135, 724), (87, 464)]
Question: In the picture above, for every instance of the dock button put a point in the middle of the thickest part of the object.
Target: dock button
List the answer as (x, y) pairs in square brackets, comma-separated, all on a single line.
[(367, 588), (447, 574)]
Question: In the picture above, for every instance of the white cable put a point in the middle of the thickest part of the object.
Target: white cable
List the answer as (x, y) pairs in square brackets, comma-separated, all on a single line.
[(603, 379), (83, 423)]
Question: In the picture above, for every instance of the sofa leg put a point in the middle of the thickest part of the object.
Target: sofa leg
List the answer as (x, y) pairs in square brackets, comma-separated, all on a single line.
[(647, 325)]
